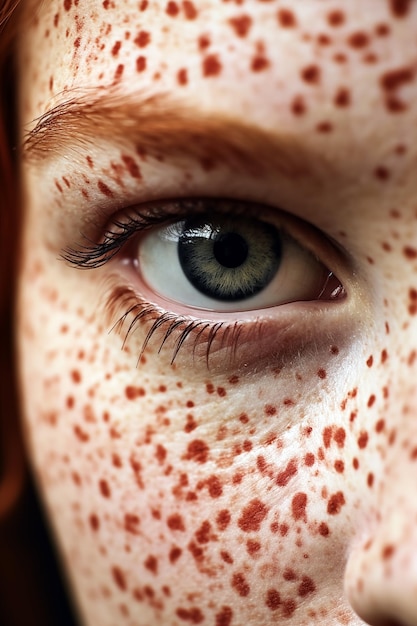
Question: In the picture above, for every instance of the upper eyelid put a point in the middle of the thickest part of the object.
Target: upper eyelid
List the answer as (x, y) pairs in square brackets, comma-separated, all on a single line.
[(90, 254)]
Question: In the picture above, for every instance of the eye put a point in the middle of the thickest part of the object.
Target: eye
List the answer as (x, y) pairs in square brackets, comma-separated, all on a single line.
[(225, 263)]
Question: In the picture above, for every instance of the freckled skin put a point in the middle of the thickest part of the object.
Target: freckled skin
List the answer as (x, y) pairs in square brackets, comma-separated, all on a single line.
[(285, 494)]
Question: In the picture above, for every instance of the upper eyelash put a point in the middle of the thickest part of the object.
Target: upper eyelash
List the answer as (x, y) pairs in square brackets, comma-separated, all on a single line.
[(97, 254)]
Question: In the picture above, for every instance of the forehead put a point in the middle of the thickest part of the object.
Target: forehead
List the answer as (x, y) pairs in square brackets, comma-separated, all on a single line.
[(277, 50)]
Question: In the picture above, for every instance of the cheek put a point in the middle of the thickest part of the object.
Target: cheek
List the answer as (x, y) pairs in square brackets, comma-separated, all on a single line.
[(166, 492)]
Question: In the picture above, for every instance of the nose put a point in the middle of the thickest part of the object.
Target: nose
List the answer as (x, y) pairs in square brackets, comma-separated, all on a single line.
[(381, 571)]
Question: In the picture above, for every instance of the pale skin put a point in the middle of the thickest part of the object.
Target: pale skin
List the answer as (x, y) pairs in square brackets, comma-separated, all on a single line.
[(277, 485)]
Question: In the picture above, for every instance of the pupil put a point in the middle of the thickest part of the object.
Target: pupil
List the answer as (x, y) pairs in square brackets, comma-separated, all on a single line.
[(230, 250)]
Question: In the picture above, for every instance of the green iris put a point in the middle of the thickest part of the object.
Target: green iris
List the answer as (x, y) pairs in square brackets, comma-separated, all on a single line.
[(229, 258)]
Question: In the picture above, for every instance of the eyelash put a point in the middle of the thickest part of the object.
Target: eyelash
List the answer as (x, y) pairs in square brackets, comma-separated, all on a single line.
[(214, 335)]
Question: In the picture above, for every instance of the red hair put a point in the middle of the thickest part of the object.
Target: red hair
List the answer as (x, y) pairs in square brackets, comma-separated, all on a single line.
[(10, 448), (27, 565)]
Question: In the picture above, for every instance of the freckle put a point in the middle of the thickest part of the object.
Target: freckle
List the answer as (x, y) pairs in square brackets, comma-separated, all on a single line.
[(309, 459), (70, 402), (76, 376), (221, 391), (370, 479), (160, 453), (270, 410), (131, 166), (411, 358), (151, 564), (371, 400), (141, 64), (252, 516), (226, 557), (400, 8), (119, 72), (243, 418), (340, 58), (76, 478), (306, 587), (189, 10), (104, 488), (197, 451), (142, 39), (116, 48), (410, 253), (105, 190), (382, 30), (327, 436), (144, 5), (172, 9), (388, 552), (324, 529), (132, 393), (191, 424), (339, 466), (298, 506), (298, 106), (283, 530), (67, 4), (358, 40), (224, 616), (355, 463), (119, 578), (311, 74), (214, 486), (363, 440), (211, 65), (174, 554), (336, 18), (81, 434), (320, 454), (286, 18), (342, 97), (253, 547), (241, 25), (273, 599), (288, 608), (240, 584), (131, 523), (321, 373), (382, 173), (335, 503), (204, 42), (370, 361), (259, 63), (182, 76), (401, 149), (284, 477), (94, 522), (176, 522), (289, 574)]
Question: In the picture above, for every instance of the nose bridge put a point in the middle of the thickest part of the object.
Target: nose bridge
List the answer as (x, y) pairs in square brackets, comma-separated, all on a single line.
[(381, 573)]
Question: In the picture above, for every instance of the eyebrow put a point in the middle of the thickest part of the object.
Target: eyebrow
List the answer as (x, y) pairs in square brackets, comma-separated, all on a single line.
[(159, 125)]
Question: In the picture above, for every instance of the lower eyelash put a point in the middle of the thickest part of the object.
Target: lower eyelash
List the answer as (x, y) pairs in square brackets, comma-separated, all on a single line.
[(220, 334)]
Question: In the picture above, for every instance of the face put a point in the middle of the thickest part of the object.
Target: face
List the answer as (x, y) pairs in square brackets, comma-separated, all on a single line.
[(217, 306)]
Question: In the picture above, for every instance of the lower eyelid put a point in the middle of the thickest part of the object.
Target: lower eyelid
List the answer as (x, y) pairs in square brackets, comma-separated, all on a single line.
[(259, 340)]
